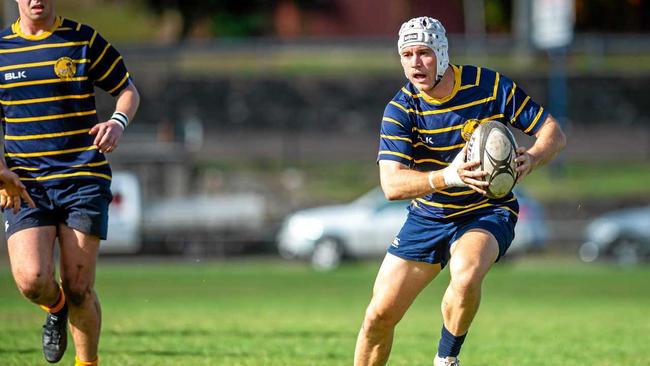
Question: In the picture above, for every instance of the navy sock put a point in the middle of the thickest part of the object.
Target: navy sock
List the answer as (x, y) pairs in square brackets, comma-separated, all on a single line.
[(62, 312), (449, 345)]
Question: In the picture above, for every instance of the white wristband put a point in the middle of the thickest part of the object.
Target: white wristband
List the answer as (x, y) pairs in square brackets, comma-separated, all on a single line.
[(431, 184), (121, 118)]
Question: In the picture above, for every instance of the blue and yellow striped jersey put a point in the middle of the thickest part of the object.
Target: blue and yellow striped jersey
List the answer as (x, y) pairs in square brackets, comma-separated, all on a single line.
[(426, 133), (48, 100)]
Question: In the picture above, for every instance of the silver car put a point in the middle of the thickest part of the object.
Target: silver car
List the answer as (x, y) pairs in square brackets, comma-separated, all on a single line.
[(365, 227), (623, 235)]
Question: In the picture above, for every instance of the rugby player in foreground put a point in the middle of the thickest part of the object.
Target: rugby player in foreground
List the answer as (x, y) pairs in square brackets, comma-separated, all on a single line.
[(450, 221)]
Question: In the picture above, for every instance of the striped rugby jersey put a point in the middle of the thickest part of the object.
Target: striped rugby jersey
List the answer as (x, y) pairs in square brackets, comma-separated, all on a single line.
[(426, 133), (48, 101)]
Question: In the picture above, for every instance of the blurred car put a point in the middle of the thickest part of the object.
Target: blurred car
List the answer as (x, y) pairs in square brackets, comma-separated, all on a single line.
[(365, 227), (623, 235), (124, 215)]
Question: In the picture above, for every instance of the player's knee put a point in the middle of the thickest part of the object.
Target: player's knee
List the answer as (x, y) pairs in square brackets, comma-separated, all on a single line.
[(33, 286), (379, 320), (466, 282), (77, 294)]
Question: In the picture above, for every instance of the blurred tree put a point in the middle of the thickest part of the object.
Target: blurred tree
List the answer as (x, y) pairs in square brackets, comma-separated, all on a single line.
[(229, 18), (597, 16), (498, 15)]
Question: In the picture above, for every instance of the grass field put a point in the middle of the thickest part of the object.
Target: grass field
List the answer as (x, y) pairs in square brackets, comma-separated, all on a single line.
[(534, 312)]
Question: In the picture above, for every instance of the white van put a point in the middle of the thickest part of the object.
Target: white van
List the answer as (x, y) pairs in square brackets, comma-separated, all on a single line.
[(124, 216)]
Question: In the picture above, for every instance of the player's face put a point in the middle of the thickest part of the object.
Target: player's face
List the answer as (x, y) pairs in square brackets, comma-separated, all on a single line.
[(419, 64), (36, 10)]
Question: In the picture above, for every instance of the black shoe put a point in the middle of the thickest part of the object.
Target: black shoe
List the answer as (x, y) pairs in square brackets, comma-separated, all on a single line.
[(55, 336)]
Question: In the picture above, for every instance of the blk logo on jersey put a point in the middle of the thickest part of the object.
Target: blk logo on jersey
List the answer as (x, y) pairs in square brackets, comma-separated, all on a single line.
[(15, 75), (427, 140)]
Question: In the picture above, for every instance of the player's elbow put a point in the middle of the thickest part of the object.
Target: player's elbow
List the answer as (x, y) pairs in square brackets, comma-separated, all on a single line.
[(392, 194)]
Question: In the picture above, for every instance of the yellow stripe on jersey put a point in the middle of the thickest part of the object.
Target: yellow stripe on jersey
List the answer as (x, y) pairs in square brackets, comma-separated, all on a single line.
[(476, 83), (126, 77), (396, 154), (37, 64), (512, 93), (419, 161), (15, 27), (479, 207), (440, 148), (48, 99), (41, 82), (64, 29), (455, 194), (100, 57), (509, 209), (47, 135), (396, 138), (67, 175), (50, 153), (42, 46), (78, 27), (491, 118), (449, 205), (11, 36), (48, 118), (401, 107), (24, 168), (469, 209), (405, 91), (454, 108), (89, 165), (110, 69), (388, 119), (532, 125), (92, 39), (438, 130), (521, 108)]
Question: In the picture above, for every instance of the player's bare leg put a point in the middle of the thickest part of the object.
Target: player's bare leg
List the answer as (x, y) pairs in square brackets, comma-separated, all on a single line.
[(471, 258), (398, 283), (32, 264), (78, 262)]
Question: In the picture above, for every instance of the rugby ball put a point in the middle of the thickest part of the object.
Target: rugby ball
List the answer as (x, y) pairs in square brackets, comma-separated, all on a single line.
[(494, 146)]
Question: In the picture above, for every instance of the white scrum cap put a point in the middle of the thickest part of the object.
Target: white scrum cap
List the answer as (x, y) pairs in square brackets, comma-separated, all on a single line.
[(426, 31)]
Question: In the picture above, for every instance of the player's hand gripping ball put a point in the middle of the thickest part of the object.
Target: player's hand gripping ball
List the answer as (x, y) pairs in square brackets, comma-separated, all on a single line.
[(494, 146)]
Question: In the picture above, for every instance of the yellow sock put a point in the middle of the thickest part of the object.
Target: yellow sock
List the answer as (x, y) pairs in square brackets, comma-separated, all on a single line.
[(78, 362), (58, 305)]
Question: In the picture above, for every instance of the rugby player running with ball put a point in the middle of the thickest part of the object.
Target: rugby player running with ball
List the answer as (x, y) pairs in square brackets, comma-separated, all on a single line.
[(450, 221)]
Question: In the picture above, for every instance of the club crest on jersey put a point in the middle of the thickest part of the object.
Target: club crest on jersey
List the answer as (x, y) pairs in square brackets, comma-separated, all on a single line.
[(468, 128), (65, 68)]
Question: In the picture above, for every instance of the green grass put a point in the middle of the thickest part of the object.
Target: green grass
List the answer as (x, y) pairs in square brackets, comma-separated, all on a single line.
[(276, 313)]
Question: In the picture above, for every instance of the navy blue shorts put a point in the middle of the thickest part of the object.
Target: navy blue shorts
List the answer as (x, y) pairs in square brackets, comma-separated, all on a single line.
[(424, 239), (80, 205)]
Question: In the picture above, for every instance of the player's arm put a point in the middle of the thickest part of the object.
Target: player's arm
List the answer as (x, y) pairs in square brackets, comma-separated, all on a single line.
[(108, 133), (550, 140), (399, 182)]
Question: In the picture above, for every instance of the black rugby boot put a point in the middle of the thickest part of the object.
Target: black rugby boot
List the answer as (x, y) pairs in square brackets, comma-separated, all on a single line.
[(55, 335)]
